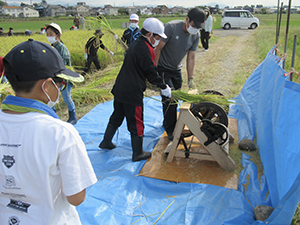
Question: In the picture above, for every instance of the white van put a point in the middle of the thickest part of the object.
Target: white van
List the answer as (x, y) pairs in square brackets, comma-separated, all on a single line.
[(238, 19)]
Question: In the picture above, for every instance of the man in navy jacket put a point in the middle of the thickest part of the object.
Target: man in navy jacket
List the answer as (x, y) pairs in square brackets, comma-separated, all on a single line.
[(130, 84)]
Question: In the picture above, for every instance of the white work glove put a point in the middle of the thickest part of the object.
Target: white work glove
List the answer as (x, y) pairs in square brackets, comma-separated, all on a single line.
[(116, 37), (111, 53), (85, 56), (166, 92)]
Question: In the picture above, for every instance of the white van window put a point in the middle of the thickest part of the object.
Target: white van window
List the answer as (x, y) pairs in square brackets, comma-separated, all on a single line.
[(243, 14), (232, 14)]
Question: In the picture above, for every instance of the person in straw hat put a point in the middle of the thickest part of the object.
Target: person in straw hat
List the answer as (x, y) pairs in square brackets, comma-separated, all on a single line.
[(91, 49)]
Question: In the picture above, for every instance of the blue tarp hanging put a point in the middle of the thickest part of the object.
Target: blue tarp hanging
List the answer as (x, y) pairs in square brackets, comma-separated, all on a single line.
[(271, 109)]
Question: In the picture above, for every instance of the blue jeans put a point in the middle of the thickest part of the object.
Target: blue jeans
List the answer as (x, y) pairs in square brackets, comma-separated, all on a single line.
[(66, 94), (3, 80)]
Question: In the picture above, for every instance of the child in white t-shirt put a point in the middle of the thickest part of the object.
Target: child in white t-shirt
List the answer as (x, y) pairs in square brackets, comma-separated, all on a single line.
[(45, 168)]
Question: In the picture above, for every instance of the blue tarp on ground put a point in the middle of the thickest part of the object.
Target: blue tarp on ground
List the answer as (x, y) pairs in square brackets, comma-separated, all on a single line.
[(121, 197), (268, 105), (267, 108)]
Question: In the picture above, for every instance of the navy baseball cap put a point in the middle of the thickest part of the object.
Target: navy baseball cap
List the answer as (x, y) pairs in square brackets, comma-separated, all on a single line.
[(197, 15), (33, 60)]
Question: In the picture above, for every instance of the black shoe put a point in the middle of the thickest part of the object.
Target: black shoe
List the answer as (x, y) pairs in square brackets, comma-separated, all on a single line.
[(137, 147), (109, 134)]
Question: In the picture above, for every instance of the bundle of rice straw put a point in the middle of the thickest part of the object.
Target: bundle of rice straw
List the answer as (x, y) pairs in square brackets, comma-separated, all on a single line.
[(5, 89), (180, 95)]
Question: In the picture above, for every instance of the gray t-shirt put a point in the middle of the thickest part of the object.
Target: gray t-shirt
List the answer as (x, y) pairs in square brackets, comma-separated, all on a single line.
[(177, 44)]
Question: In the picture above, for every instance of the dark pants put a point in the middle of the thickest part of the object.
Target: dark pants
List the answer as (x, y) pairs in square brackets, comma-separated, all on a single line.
[(89, 61), (174, 80), (204, 39), (134, 117)]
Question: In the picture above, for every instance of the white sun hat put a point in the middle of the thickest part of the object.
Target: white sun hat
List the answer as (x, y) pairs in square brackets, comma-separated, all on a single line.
[(54, 25), (154, 25), (134, 17)]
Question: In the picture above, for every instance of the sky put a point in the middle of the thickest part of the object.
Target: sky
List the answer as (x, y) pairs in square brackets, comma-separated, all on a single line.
[(169, 3)]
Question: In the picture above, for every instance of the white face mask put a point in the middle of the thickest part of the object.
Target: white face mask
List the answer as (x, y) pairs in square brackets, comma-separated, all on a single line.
[(191, 29), (133, 25), (51, 103), (156, 42), (51, 40)]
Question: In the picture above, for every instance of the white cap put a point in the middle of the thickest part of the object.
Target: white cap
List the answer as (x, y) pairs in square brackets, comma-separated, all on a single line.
[(154, 25), (54, 25), (134, 17)]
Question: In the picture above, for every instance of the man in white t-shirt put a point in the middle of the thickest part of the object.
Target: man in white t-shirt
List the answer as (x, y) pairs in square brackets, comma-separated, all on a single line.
[(45, 168)]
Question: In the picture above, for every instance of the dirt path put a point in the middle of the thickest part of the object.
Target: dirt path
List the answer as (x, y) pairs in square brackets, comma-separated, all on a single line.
[(227, 64), (216, 69)]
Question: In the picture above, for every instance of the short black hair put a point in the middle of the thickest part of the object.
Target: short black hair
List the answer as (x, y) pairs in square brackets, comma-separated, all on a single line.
[(144, 32), (22, 86), (54, 29)]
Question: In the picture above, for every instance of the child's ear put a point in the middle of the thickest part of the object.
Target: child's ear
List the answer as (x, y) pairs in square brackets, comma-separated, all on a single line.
[(47, 83)]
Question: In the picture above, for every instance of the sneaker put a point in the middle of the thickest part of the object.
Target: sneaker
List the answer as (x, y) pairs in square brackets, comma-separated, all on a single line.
[(205, 50)]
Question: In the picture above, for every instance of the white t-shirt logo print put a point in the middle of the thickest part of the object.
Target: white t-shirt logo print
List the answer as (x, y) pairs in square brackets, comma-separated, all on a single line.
[(8, 161)]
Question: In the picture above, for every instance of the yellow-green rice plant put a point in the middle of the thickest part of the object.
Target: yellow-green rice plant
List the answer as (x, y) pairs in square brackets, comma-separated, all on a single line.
[(86, 95), (180, 95), (109, 76), (75, 42), (5, 89)]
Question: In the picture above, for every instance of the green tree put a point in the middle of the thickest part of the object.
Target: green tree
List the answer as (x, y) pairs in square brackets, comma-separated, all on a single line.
[(263, 10), (22, 4), (123, 11), (2, 3)]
